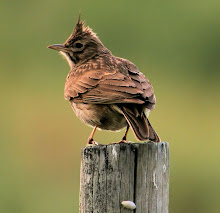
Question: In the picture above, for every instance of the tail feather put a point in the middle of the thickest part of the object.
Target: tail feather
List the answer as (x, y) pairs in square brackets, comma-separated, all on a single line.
[(140, 125), (153, 135)]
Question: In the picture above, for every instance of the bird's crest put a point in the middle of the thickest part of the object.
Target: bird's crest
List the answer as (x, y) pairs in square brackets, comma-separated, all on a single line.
[(79, 27), (80, 31)]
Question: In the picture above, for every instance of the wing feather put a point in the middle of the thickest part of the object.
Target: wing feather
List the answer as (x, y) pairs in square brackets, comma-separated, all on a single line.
[(109, 86)]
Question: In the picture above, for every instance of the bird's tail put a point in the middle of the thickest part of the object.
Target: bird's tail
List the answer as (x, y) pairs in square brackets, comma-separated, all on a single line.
[(140, 125)]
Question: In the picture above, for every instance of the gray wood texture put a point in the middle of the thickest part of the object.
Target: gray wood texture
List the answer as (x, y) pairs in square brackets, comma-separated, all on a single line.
[(137, 172)]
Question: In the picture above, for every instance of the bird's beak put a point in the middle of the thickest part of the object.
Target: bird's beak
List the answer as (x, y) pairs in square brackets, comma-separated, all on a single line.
[(58, 47)]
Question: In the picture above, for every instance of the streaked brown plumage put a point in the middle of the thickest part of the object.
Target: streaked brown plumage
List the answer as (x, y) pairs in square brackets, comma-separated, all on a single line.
[(105, 91)]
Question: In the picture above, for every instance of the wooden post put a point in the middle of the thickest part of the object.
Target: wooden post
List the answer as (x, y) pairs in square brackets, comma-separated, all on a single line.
[(114, 173)]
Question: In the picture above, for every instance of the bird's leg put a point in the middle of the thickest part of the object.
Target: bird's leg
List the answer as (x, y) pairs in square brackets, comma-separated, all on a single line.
[(124, 139), (90, 139)]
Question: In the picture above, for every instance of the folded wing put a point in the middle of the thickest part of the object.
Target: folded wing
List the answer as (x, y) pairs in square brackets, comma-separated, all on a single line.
[(109, 87)]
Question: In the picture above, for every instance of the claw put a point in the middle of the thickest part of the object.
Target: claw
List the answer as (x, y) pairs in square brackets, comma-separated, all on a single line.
[(123, 141), (91, 141)]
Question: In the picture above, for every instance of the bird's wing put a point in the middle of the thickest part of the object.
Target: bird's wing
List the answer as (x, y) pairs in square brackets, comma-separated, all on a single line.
[(112, 86)]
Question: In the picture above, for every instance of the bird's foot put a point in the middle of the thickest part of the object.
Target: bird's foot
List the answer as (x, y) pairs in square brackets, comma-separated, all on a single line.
[(91, 141), (121, 141)]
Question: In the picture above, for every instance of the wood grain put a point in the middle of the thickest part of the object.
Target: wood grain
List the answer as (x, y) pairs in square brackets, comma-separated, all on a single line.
[(114, 173)]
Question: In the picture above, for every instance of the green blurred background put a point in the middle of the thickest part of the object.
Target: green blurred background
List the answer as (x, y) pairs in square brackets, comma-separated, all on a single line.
[(175, 44)]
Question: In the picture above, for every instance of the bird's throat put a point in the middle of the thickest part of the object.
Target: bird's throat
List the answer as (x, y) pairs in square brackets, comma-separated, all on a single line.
[(69, 59)]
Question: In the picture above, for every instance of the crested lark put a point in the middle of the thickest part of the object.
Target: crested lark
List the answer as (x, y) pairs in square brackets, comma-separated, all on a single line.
[(105, 91)]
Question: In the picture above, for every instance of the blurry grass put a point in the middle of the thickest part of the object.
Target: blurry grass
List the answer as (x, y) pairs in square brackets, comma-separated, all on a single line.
[(174, 44)]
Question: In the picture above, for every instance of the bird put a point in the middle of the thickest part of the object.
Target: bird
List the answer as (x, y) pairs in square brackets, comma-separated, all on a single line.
[(105, 91)]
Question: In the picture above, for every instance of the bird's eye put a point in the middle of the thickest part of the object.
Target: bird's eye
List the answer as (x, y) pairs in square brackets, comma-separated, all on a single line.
[(79, 45)]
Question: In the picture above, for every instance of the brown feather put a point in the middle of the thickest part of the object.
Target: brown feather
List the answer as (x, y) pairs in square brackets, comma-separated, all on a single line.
[(111, 85), (139, 123)]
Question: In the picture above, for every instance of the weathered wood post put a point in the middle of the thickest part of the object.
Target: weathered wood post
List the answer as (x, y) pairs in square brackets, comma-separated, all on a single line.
[(137, 172)]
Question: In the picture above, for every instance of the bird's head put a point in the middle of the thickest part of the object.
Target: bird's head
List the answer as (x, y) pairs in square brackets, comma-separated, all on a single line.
[(82, 44)]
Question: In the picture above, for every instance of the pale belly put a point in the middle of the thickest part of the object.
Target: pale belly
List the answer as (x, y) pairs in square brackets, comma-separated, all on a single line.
[(106, 117)]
